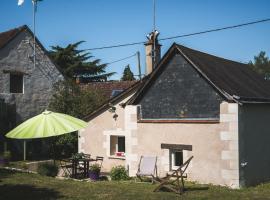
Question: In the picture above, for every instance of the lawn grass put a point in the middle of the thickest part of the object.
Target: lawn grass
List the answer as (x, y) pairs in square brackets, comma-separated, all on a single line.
[(14, 185)]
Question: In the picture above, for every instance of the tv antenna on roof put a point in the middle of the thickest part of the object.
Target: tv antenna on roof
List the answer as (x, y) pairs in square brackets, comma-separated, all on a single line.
[(154, 33)]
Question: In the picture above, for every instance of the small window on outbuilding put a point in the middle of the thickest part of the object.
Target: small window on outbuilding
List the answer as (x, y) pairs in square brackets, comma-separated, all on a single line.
[(16, 83), (176, 159), (117, 146), (176, 154)]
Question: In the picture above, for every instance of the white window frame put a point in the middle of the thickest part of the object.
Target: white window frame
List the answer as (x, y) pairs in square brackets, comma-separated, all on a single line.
[(116, 145), (172, 159)]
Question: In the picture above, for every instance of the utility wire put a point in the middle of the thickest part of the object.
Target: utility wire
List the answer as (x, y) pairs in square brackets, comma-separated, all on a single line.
[(185, 35), (217, 29), (125, 58)]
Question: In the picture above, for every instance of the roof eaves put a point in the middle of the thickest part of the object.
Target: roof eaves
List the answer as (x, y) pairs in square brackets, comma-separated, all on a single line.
[(244, 100)]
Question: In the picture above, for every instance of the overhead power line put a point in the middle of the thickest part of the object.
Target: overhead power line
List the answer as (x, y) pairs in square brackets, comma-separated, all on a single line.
[(185, 35), (125, 58), (217, 29)]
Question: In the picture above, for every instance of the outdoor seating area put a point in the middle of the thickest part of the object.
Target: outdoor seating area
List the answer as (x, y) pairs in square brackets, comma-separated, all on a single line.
[(174, 181), (85, 167), (79, 165)]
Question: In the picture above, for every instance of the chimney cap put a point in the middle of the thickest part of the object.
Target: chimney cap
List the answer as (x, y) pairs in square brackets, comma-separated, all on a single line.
[(151, 36)]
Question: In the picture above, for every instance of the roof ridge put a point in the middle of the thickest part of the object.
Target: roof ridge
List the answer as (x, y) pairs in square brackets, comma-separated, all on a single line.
[(7, 36), (218, 57), (13, 29)]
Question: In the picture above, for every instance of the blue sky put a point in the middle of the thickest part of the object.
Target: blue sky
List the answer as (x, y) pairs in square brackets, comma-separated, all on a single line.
[(107, 22)]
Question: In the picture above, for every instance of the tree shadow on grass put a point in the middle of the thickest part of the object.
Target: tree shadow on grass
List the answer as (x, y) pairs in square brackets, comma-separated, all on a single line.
[(5, 174), (9, 191), (196, 188), (186, 189)]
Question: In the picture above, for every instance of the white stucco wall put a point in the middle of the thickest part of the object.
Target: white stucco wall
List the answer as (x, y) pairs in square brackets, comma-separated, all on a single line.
[(214, 146)]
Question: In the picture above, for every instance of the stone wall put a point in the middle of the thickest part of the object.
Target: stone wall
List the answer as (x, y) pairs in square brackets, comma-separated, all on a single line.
[(17, 57), (179, 92)]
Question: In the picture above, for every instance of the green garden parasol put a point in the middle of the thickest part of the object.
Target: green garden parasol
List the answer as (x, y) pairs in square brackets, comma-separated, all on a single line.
[(47, 124)]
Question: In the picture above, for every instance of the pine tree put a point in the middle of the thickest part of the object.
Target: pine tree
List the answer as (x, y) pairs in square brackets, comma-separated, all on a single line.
[(261, 65), (76, 63), (127, 74)]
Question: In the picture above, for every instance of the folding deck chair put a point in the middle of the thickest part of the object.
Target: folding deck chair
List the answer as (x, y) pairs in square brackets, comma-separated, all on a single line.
[(147, 167), (177, 176), (66, 166)]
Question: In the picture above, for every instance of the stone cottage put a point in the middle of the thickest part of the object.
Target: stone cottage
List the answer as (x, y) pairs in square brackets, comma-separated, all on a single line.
[(25, 87), (191, 104)]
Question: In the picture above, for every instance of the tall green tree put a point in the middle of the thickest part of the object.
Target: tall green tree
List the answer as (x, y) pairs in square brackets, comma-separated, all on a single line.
[(71, 99), (75, 63), (261, 64), (127, 74)]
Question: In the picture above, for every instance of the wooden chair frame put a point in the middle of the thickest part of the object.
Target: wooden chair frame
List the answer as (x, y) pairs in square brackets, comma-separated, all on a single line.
[(66, 166), (178, 176), (99, 160)]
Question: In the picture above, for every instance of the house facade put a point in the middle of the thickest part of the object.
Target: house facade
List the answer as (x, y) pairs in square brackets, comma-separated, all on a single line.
[(191, 104), (24, 87)]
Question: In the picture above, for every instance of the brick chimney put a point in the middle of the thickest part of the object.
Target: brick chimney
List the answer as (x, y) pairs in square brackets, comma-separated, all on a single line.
[(152, 54)]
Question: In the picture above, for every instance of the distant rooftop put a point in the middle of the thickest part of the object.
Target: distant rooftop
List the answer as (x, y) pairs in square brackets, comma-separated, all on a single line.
[(109, 88)]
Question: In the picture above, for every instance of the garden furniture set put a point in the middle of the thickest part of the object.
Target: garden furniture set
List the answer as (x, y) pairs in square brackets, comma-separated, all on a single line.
[(79, 166)]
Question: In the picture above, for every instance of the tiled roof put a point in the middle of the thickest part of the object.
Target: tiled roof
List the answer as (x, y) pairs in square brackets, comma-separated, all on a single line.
[(234, 78), (7, 36), (133, 86), (108, 87)]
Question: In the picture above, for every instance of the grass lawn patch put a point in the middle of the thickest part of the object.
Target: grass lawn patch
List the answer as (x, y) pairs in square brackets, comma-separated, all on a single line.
[(14, 185)]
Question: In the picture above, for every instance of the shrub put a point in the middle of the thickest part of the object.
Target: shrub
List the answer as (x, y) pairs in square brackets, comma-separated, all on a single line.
[(48, 169), (119, 173), (77, 156), (95, 168)]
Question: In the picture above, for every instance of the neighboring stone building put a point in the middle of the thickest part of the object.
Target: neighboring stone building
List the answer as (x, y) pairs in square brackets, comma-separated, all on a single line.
[(26, 88), (192, 103)]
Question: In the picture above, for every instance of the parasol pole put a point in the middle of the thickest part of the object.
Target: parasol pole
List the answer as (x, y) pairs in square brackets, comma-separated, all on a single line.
[(24, 150)]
